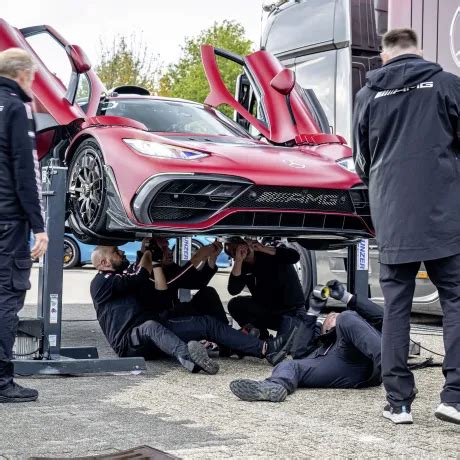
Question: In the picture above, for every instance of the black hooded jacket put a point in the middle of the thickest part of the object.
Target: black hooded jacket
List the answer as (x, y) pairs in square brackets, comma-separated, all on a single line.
[(406, 131), (20, 184)]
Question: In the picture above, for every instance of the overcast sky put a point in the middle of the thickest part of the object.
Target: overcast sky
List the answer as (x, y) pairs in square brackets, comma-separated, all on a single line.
[(164, 24)]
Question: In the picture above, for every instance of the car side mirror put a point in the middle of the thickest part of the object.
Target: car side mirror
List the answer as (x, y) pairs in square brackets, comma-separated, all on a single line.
[(284, 82), (79, 58)]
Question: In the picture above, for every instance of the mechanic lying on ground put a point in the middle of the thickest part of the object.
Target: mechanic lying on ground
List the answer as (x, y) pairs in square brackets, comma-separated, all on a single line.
[(344, 352), (277, 301), (134, 329), (195, 274)]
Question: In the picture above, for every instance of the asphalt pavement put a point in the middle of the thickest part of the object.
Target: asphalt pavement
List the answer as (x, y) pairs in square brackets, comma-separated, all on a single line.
[(196, 416)]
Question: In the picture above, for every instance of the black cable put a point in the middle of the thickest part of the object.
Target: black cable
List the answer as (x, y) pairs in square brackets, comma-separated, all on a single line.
[(427, 349)]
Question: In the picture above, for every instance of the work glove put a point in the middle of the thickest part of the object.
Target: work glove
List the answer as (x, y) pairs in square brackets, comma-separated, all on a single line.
[(337, 291), (315, 306)]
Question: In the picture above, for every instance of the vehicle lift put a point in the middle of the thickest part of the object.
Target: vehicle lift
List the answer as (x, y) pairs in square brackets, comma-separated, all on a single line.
[(56, 359)]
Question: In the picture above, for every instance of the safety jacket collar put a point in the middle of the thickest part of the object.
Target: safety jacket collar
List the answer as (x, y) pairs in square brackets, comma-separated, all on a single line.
[(14, 87)]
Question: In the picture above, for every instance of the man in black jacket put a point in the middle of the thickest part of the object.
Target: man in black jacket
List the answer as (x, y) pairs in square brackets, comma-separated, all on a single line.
[(134, 328), (344, 352), (277, 300), (407, 150), (195, 274), (20, 208)]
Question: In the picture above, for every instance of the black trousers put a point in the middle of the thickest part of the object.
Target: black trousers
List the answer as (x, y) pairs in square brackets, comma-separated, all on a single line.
[(205, 302), (245, 310), (353, 361), (398, 285), (154, 338), (15, 265)]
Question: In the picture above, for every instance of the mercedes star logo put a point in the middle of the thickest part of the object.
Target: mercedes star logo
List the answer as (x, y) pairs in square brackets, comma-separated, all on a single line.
[(455, 37)]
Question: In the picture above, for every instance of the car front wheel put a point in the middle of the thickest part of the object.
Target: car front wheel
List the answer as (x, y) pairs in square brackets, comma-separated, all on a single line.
[(87, 188)]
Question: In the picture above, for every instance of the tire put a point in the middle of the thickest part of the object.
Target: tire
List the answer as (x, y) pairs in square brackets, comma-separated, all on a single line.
[(304, 268), (71, 253), (86, 187)]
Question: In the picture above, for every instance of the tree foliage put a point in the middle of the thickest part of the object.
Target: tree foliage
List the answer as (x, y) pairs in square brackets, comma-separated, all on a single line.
[(186, 79), (128, 61)]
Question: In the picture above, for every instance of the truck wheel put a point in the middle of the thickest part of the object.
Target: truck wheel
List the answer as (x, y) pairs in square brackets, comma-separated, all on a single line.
[(304, 268)]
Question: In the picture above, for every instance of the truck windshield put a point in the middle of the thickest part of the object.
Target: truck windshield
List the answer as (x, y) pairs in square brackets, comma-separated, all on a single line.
[(167, 116)]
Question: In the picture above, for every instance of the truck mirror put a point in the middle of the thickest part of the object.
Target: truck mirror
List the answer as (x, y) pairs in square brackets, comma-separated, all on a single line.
[(284, 82)]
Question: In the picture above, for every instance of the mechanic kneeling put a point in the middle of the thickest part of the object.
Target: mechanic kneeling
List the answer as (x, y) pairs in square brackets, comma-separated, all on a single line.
[(195, 274), (344, 352), (277, 300), (134, 329)]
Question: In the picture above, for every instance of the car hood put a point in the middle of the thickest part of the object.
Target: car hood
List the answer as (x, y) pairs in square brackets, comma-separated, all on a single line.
[(264, 164)]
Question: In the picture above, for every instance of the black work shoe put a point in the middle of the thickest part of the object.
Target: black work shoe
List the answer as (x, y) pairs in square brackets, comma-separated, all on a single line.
[(15, 393), (251, 390), (199, 356), (448, 412), (399, 415), (279, 347)]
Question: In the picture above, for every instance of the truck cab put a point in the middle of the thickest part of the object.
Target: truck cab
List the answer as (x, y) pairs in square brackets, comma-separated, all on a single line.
[(331, 44)]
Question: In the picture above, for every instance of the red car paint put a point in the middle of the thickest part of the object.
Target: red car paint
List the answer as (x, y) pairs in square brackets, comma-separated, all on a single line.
[(287, 162)]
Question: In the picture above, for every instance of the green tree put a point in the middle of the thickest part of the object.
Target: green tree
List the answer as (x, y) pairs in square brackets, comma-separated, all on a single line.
[(128, 61), (186, 78)]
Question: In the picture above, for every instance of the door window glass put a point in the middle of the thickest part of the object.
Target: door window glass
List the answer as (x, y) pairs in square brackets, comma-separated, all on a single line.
[(53, 55), (83, 92)]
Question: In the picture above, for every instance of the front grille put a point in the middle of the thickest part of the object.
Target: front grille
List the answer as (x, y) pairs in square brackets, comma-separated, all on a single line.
[(295, 221), (295, 198)]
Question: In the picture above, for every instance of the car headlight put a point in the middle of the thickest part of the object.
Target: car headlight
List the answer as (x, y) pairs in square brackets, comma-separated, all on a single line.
[(155, 149), (348, 164)]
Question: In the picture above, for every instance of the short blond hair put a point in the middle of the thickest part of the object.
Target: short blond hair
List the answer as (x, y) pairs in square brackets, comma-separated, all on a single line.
[(14, 60)]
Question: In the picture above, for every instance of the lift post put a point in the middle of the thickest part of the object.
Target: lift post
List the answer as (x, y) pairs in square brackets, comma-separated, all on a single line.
[(58, 359), (358, 269)]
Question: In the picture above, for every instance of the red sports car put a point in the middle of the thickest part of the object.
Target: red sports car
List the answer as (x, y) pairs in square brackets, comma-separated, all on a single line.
[(140, 164)]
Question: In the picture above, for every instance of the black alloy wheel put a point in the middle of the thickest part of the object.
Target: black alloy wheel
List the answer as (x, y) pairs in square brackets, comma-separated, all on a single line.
[(86, 186), (71, 253)]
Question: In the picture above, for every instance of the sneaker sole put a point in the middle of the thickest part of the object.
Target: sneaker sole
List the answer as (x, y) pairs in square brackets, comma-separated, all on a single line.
[(249, 390), (285, 350), (446, 417), (4, 399), (199, 356), (399, 419)]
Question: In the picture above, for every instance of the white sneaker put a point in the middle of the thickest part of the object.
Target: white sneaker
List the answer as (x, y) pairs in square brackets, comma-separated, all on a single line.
[(399, 415), (449, 412)]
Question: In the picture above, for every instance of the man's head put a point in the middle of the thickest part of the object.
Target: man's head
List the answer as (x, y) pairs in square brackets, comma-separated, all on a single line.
[(17, 65), (329, 322), (109, 258), (232, 244), (397, 42), (168, 253)]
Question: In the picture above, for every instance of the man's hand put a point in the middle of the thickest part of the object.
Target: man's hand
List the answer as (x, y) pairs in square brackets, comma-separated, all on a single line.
[(202, 254), (259, 247), (337, 291), (146, 261), (40, 245), (242, 252), (217, 249)]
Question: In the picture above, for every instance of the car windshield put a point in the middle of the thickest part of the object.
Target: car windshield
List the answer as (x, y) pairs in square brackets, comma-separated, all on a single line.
[(172, 117)]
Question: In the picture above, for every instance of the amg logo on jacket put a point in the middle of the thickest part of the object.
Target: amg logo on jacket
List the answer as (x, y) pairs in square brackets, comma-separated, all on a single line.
[(390, 92)]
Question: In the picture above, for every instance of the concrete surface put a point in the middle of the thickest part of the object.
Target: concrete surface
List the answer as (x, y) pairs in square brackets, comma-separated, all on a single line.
[(196, 416)]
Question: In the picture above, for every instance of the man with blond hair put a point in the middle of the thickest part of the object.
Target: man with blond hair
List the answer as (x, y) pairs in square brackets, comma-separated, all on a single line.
[(20, 208)]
